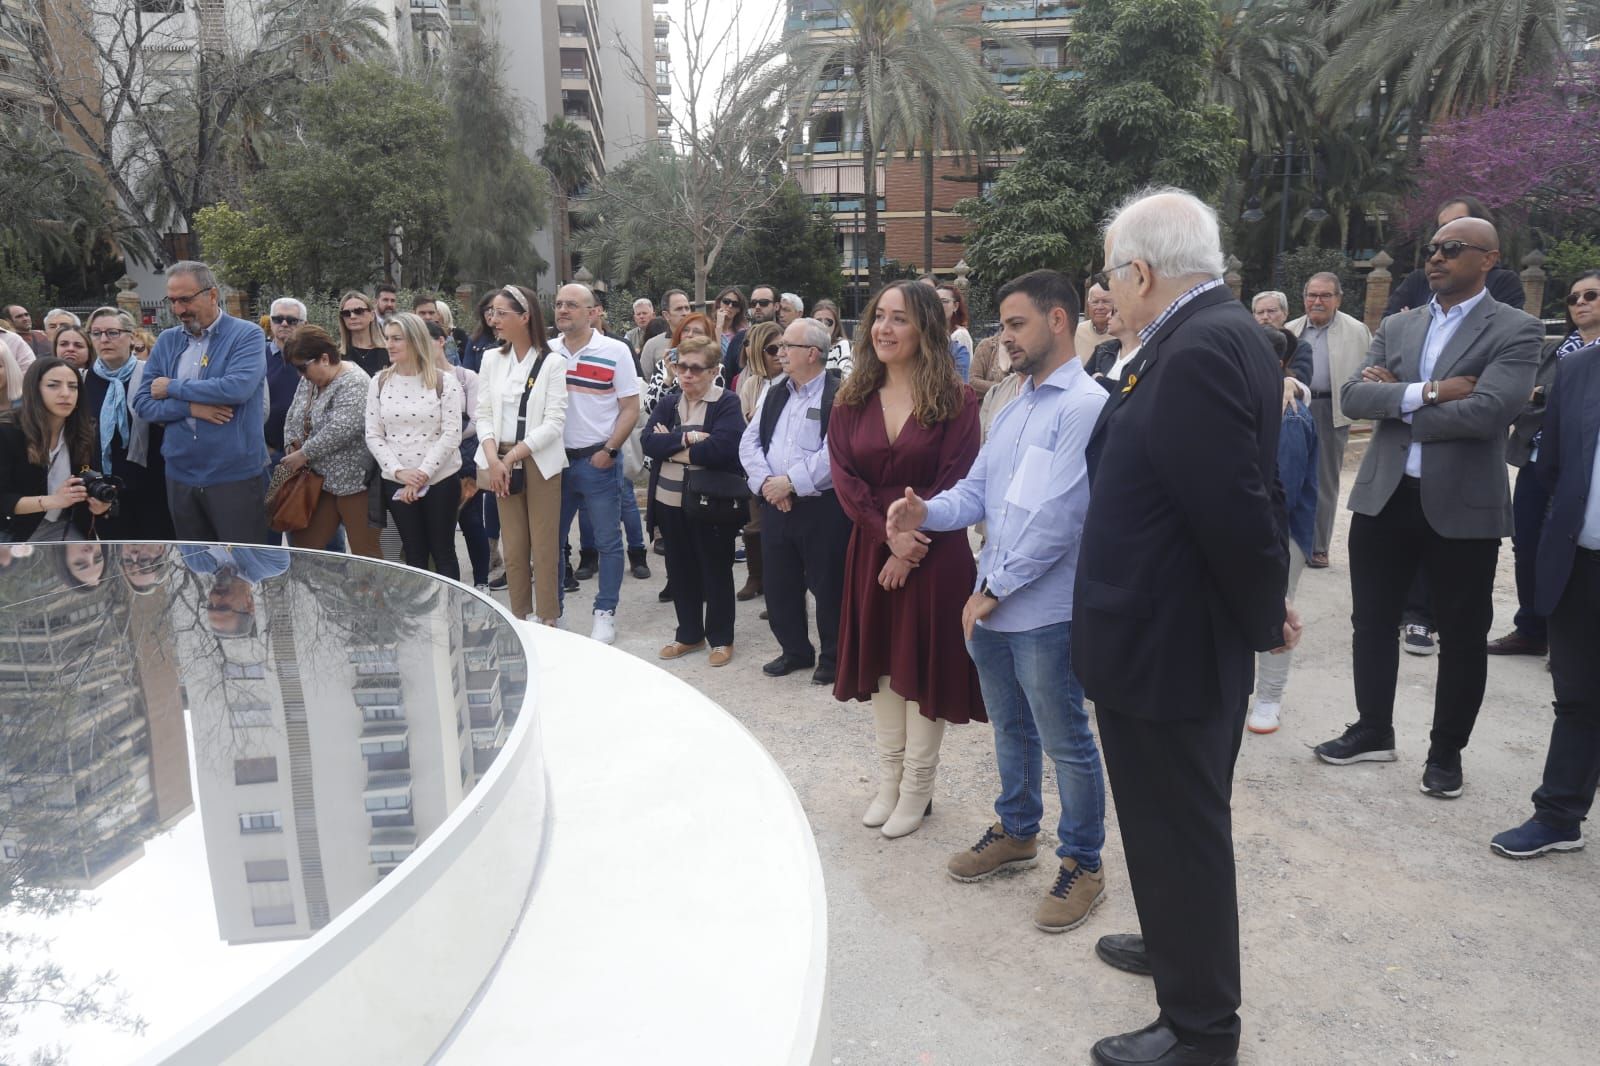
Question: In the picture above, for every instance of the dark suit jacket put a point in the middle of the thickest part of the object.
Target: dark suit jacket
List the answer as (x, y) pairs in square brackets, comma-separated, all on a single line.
[(1566, 466), (1528, 422), (1184, 559), (19, 478)]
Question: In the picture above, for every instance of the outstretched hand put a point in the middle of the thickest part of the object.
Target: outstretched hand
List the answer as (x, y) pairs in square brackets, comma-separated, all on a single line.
[(907, 514)]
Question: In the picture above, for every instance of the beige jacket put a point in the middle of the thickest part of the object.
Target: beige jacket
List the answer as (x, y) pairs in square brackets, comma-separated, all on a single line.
[(1348, 342)]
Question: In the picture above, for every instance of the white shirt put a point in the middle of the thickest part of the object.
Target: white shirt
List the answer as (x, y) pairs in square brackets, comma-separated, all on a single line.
[(1115, 373), (598, 375), (60, 471), (512, 386), (1441, 328)]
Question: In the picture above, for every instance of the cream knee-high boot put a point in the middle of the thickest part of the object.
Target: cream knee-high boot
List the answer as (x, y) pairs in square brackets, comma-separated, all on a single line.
[(889, 724), (923, 737)]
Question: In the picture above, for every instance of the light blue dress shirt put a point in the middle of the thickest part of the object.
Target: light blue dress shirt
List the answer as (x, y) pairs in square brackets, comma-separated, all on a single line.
[(1030, 484), (1589, 533), (192, 360), (799, 450), (1441, 328)]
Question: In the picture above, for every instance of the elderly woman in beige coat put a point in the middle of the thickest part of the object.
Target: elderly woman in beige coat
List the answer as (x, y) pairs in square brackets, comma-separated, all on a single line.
[(521, 417)]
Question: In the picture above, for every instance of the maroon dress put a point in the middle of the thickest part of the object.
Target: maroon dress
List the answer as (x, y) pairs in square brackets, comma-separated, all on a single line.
[(913, 634)]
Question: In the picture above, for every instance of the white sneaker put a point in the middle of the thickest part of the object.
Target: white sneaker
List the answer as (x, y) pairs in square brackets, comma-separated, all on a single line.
[(605, 627), (1264, 717)]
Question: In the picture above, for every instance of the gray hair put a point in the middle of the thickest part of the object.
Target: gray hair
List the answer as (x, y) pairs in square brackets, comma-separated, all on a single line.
[(57, 312), (1328, 276), (792, 302), (1283, 301), (1172, 230), (299, 307), (198, 271), (643, 301), (817, 335)]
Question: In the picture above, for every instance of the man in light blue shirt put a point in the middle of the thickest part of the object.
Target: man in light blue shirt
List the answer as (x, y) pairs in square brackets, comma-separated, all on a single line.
[(804, 532), (1030, 483)]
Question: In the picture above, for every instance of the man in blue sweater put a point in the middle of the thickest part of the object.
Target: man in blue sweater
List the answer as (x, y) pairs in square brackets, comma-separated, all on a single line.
[(205, 381)]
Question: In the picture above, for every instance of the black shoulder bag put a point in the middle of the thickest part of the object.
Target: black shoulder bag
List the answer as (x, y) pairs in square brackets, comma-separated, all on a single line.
[(519, 476)]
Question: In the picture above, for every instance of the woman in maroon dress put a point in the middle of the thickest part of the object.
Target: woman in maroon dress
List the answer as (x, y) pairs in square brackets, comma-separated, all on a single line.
[(904, 419)]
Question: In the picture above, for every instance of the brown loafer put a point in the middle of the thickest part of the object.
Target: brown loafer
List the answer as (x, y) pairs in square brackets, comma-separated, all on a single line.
[(1514, 643), (1318, 561), (677, 651), (720, 656)]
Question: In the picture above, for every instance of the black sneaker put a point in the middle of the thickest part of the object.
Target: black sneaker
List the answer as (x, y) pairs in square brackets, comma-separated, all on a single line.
[(1418, 640), (571, 582), (1533, 838), (1441, 783), (588, 564), (1359, 743), (638, 563)]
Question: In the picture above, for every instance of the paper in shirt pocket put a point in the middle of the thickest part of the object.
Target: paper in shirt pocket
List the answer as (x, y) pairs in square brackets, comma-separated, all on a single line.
[(1030, 485)]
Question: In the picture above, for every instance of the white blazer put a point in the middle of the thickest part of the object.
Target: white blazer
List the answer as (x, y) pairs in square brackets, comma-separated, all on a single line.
[(547, 409), (1348, 341)]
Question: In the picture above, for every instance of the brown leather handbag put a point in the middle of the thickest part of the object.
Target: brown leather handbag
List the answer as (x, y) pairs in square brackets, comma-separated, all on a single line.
[(292, 497)]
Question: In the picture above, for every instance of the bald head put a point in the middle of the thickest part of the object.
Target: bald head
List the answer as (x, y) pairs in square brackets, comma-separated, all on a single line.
[(1463, 253), (1472, 230), (574, 303)]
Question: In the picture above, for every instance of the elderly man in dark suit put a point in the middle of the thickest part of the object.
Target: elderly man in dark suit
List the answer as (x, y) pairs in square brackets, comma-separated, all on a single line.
[(1567, 592), (1443, 382), (1182, 464)]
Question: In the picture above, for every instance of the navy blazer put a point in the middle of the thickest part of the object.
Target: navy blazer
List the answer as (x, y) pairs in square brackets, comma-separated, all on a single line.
[(1184, 559), (1566, 466)]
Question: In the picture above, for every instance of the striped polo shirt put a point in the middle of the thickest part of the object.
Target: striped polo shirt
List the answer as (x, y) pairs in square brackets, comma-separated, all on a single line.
[(598, 375)]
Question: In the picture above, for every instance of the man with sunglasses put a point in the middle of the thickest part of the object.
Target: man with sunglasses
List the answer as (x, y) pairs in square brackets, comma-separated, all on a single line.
[(763, 308), (1442, 382), (1503, 283), (206, 381), (286, 315)]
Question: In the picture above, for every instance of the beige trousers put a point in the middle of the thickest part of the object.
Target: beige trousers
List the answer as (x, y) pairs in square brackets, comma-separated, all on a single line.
[(528, 530)]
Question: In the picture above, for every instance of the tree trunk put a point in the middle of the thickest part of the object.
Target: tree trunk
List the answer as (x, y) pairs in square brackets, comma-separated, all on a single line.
[(563, 255), (869, 192), (927, 204)]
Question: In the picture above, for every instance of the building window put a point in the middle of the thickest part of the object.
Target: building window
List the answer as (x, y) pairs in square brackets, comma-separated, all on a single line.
[(398, 801), (387, 855), (10, 852), (266, 870), (382, 747), (274, 914), (386, 713), (255, 771), (261, 822), (244, 671)]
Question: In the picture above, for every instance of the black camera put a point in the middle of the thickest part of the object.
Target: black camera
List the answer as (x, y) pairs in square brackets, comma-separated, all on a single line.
[(102, 487)]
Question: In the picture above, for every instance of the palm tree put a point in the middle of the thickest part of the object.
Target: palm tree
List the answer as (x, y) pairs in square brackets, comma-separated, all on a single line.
[(567, 155), (1443, 57), (907, 66), (1265, 56)]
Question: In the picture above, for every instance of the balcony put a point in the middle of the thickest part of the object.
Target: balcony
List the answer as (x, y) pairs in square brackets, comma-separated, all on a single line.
[(429, 15), (663, 27), (1014, 75), (663, 49), (1024, 11), (663, 86), (463, 16), (827, 146)]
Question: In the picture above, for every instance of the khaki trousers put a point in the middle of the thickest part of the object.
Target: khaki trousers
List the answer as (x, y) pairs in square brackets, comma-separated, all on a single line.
[(333, 511), (529, 524)]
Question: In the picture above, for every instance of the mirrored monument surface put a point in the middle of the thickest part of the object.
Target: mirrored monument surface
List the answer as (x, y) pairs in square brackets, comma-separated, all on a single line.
[(208, 753)]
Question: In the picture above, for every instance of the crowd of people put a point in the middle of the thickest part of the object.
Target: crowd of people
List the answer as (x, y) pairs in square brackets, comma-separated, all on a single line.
[(1169, 424)]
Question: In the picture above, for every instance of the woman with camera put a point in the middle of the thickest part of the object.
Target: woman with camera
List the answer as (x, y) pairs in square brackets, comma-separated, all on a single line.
[(42, 444), (125, 444), (695, 430)]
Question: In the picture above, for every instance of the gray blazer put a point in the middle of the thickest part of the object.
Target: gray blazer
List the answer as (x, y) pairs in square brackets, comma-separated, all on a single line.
[(1465, 492)]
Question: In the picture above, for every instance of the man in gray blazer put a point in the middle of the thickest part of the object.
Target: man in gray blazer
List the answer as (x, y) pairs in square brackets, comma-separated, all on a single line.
[(1442, 382)]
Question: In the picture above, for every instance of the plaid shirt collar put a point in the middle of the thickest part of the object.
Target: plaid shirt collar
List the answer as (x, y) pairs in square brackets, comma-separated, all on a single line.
[(1176, 306)]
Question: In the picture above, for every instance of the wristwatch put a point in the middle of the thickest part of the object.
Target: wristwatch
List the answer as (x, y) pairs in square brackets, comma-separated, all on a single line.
[(1431, 393), (986, 591), (613, 452)]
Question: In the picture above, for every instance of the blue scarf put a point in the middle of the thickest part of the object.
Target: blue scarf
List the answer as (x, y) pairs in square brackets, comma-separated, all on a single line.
[(114, 417)]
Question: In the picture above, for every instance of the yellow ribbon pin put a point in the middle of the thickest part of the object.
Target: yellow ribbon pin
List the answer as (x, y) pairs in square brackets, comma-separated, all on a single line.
[(1133, 379)]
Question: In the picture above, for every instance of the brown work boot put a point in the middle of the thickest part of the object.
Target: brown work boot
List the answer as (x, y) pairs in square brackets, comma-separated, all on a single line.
[(993, 852), (1071, 898)]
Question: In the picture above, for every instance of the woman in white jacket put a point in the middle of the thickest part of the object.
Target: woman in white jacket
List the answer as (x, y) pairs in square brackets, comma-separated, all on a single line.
[(522, 417)]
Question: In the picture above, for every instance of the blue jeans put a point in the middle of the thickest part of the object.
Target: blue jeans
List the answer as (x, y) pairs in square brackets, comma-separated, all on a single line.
[(585, 487), (1036, 705), (631, 522)]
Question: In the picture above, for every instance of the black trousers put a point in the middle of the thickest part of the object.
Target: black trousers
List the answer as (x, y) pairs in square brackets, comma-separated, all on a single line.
[(804, 551), (1572, 767), (234, 512), (428, 526), (1530, 503), (1172, 783), (700, 560), (1386, 550)]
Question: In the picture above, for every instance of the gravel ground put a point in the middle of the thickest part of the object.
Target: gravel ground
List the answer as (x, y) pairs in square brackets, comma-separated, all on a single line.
[(1377, 926)]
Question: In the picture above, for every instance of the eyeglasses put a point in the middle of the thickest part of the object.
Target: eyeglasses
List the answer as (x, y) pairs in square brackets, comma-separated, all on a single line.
[(108, 334), (286, 320), (355, 312), (801, 347), (1318, 297), (772, 349), (729, 301), (762, 303), (185, 301), (1103, 279), (300, 368), (1451, 249), (692, 368), (1587, 296)]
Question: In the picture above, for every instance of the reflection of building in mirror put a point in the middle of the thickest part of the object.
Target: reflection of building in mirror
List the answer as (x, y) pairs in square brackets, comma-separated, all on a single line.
[(328, 748), (93, 755)]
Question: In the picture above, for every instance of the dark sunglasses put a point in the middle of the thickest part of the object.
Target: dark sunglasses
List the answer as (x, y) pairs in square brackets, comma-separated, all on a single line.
[(692, 368), (1451, 249), (355, 312), (762, 303), (286, 320), (772, 349), (729, 301), (1587, 296)]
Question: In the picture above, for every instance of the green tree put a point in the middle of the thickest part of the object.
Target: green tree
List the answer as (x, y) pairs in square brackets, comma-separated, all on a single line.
[(1262, 65), (499, 202), (791, 246), (907, 65), (567, 155), (1137, 115)]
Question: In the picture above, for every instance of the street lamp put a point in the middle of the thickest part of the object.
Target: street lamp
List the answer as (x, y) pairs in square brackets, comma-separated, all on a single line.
[(1289, 164)]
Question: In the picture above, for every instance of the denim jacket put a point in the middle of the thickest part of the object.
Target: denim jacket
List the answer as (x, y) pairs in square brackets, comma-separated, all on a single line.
[(1297, 472)]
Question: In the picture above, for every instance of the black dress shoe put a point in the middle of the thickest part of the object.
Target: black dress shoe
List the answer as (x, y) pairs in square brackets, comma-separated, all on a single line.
[(823, 675), (571, 581), (1156, 1045), (784, 665), (665, 595), (1125, 952)]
